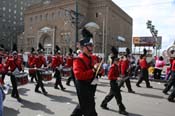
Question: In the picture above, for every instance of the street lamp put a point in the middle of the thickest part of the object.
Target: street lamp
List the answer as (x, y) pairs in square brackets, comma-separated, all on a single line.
[(154, 32)]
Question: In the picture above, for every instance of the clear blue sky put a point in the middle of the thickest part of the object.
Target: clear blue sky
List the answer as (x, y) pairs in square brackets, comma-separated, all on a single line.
[(160, 12)]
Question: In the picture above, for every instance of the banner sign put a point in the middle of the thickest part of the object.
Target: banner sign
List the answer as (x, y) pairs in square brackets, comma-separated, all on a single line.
[(147, 41)]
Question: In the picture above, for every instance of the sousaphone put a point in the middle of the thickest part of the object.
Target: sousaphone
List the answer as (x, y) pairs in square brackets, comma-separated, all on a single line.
[(171, 51)]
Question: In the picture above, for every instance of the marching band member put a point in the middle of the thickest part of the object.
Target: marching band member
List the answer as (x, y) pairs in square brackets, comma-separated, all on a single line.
[(124, 65), (84, 70), (38, 62), (113, 75), (15, 65), (69, 63), (113, 55), (171, 82), (32, 72), (144, 72), (55, 65), (2, 65)]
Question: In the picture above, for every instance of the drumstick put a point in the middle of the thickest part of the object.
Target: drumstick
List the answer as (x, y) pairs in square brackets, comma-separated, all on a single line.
[(99, 66), (36, 68)]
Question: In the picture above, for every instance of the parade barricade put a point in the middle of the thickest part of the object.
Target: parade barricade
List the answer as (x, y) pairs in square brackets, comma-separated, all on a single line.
[(21, 78)]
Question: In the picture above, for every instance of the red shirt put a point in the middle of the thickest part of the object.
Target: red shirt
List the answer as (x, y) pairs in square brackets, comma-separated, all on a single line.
[(143, 64), (38, 61), (14, 63), (83, 69), (56, 61), (30, 59), (173, 65), (124, 66), (113, 73), (49, 58), (69, 61), (2, 69)]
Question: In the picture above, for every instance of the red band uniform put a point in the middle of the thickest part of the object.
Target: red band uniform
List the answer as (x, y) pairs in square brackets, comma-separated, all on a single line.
[(55, 65), (171, 82), (125, 73), (69, 63), (172, 95), (37, 62), (32, 72), (14, 64), (144, 72), (113, 75)]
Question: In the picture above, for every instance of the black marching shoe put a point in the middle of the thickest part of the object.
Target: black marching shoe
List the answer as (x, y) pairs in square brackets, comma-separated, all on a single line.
[(37, 91), (45, 92), (131, 91), (123, 112), (149, 86), (56, 87), (63, 89), (104, 107), (19, 99), (14, 96), (171, 99), (67, 84), (138, 85), (165, 92)]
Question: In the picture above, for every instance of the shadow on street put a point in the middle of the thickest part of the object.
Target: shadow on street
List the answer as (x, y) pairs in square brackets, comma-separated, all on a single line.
[(35, 106), (10, 112), (60, 99)]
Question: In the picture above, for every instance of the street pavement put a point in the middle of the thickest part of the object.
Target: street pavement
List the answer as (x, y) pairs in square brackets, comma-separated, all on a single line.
[(145, 102)]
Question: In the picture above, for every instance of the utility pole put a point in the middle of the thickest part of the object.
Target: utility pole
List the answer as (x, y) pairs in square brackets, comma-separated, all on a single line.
[(76, 23)]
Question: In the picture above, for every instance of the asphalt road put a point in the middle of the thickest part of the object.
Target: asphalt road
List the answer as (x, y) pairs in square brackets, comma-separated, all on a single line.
[(145, 102)]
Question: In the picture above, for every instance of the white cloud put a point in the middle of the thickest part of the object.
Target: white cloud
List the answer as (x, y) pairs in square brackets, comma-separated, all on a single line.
[(161, 12)]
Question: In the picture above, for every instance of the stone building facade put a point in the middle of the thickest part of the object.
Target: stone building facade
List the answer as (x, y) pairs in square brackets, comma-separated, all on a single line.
[(53, 24), (11, 20)]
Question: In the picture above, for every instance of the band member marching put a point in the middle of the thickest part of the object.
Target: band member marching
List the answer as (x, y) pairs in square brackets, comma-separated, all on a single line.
[(125, 72), (144, 71), (84, 70), (2, 65), (15, 65), (113, 75), (38, 62), (32, 71), (69, 63), (171, 83), (55, 65)]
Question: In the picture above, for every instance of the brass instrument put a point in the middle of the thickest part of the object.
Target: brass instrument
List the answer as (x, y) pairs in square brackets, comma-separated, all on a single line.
[(171, 51), (99, 67)]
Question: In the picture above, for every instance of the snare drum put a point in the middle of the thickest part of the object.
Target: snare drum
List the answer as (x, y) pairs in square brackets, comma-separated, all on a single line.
[(22, 78), (66, 71), (46, 75)]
